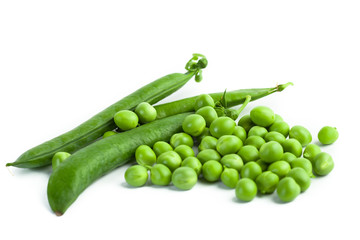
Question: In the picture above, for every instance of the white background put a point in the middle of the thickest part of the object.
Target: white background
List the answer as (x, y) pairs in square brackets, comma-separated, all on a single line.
[(61, 62)]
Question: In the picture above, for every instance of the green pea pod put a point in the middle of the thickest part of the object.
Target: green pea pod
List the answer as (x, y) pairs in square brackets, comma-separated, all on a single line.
[(82, 168), (96, 126), (233, 98)]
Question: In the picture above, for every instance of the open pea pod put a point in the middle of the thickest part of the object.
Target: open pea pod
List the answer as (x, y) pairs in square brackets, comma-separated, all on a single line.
[(96, 126)]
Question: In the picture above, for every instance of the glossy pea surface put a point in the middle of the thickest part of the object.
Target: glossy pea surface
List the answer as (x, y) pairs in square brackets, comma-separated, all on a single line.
[(257, 131), (136, 175), (181, 139), (301, 177), (311, 151), (146, 112), (144, 155), (328, 135), (222, 126), (184, 178), (280, 127), (208, 142), (212, 170), (208, 113), (161, 147), (229, 177), (194, 125), (203, 100), (271, 152), (240, 132), (303, 163), (126, 120), (323, 164), (248, 153), (245, 122), (274, 136), (245, 189), (232, 161), (301, 134), (267, 182), (170, 159), (160, 175), (192, 162), (255, 141), (108, 134), (287, 189), (184, 151), (262, 116), (293, 146), (58, 158), (251, 170), (228, 144), (280, 168), (208, 154)]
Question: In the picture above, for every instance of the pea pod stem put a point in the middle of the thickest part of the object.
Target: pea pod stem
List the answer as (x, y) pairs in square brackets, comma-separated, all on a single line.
[(95, 127), (233, 98)]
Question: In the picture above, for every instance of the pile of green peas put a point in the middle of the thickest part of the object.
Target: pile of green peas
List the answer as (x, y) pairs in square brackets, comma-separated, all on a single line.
[(260, 154)]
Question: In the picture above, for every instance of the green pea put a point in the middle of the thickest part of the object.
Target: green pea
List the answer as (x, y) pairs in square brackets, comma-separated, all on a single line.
[(208, 113), (311, 151), (267, 182), (194, 124), (251, 170), (262, 116), (240, 132), (301, 134), (208, 154), (271, 152), (170, 159), (58, 158), (145, 112), (245, 122), (228, 144), (160, 175), (323, 164), (193, 163), (262, 164), (181, 139), (222, 126), (248, 153), (280, 168), (136, 175), (288, 189), (108, 134), (144, 155), (257, 131), (280, 127), (328, 135), (203, 100), (229, 177), (205, 133), (256, 141), (161, 147), (212, 170), (278, 118), (293, 146), (301, 177), (126, 120), (208, 142), (303, 163), (184, 151), (287, 156), (245, 189), (274, 136), (232, 161), (184, 178)]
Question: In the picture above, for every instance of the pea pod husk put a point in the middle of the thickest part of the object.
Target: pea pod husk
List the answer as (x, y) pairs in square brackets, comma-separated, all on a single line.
[(95, 127), (82, 168)]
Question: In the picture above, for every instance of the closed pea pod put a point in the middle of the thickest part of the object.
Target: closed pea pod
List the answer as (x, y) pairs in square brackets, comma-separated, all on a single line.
[(82, 168), (95, 127)]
